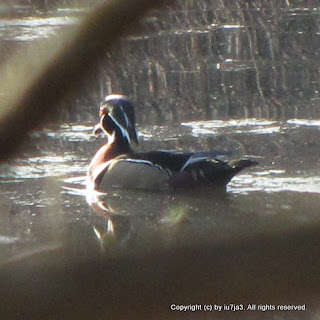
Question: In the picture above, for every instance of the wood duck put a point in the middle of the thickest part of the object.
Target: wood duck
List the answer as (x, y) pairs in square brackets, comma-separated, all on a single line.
[(117, 165)]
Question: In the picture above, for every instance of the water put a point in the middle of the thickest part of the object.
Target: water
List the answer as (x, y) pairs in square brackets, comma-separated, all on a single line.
[(45, 210), (43, 201), (43, 195)]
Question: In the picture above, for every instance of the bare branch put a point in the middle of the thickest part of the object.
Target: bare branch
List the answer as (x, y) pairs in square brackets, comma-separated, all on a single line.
[(98, 33)]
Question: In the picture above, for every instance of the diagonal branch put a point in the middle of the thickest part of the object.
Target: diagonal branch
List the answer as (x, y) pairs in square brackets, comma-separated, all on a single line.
[(99, 31)]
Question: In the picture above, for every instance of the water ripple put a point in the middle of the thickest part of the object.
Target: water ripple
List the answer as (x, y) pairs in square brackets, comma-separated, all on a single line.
[(247, 183)]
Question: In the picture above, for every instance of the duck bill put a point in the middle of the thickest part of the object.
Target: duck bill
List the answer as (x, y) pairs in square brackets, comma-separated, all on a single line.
[(97, 129)]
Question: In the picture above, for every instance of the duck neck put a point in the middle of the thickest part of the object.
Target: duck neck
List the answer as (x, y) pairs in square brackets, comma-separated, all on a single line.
[(115, 147), (119, 144)]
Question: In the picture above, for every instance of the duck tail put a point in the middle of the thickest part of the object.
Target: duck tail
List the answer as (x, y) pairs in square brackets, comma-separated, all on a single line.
[(239, 165)]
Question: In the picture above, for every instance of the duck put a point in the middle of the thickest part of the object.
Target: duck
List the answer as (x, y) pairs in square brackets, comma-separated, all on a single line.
[(117, 165)]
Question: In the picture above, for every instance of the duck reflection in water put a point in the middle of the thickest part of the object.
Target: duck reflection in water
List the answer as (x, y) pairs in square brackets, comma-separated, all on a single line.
[(117, 165), (134, 218), (119, 230)]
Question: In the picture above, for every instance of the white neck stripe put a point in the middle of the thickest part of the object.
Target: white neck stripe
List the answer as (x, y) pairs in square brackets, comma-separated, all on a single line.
[(124, 132)]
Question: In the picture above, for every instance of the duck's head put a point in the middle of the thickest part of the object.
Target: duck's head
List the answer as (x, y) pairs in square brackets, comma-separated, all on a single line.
[(117, 117)]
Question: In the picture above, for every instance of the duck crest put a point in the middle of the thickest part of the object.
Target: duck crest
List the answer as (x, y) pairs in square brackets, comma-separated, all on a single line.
[(116, 165)]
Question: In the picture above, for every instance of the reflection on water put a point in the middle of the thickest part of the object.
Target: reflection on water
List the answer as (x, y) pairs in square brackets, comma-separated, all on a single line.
[(27, 29), (149, 220), (44, 188), (258, 126)]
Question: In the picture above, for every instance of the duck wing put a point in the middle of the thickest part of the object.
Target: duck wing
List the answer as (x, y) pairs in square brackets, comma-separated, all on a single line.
[(210, 172), (189, 170), (175, 161)]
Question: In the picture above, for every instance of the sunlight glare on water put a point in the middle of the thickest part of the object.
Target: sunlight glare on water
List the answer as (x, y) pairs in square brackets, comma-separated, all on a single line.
[(258, 126), (27, 29), (305, 122), (249, 183), (43, 167), (72, 133)]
